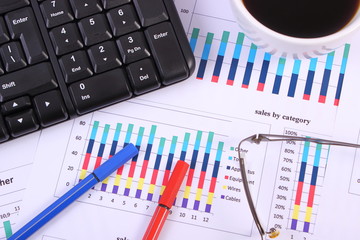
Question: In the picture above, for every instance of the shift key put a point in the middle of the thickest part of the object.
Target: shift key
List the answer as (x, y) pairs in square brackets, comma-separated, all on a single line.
[(28, 81)]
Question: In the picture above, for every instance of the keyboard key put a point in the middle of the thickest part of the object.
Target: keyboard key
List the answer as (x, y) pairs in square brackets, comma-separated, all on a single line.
[(113, 3), (84, 8), (22, 123), (75, 66), (4, 135), (151, 12), (133, 47), (66, 39), (123, 20), (4, 35), (23, 26), (143, 76), (9, 5), (104, 56), (100, 91), (94, 29), (50, 108), (167, 53), (16, 105), (28, 81), (13, 56), (56, 12)]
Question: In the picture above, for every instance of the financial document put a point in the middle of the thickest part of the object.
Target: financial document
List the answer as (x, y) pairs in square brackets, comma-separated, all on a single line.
[(307, 191)]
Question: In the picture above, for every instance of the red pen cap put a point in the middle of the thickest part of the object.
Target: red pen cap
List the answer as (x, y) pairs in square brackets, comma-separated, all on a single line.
[(174, 183)]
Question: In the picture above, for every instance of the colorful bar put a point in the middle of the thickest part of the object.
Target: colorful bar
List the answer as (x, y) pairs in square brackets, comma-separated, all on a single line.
[(311, 196), (294, 78), (300, 186), (102, 146), (185, 146), (235, 59), (194, 38), (220, 57), (310, 79), (326, 77), (249, 66), (133, 162), (342, 74), (120, 170), (264, 72), (205, 56), (8, 230), (279, 75), (203, 171), (169, 163), (112, 152), (156, 169), (214, 177), (89, 150), (192, 169), (146, 161)]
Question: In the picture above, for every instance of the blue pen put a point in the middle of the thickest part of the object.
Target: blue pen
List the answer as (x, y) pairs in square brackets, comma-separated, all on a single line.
[(98, 175)]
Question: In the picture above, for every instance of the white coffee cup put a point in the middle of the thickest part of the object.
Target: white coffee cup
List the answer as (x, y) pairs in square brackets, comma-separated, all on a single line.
[(291, 47)]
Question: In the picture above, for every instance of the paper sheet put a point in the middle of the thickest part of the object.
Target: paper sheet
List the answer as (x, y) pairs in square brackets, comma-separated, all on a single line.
[(16, 163), (308, 191)]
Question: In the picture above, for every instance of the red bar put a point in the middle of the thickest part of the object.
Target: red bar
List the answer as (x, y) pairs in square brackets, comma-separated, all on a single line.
[(132, 169), (336, 102), (215, 79), (299, 193), (245, 86), (306, 97), (86, 161), (261, 87), (322, 99), (98, 162), (190, 177), (154, 176), (201, 180), (143, 170), (230, 82), (212, 185), (311, 196)]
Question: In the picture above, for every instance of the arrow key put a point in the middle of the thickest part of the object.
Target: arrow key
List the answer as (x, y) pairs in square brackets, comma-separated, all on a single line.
[(50, 108), (123, 20), (104, 56), (66, 38), (16, 105), (22, 123)]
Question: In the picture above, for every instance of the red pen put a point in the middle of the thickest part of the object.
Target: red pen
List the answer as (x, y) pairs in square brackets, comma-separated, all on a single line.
[(166, 201)]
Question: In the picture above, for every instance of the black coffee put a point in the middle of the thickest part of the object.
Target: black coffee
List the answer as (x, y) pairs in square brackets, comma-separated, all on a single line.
[(303, 18)]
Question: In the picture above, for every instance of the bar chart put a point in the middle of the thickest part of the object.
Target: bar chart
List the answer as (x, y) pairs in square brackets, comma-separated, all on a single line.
[(300, 176), (211, 190), (245, 65)]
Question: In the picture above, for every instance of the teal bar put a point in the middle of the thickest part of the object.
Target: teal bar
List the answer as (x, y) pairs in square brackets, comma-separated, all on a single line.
[(185, 146), (129, 133), (8, 230)]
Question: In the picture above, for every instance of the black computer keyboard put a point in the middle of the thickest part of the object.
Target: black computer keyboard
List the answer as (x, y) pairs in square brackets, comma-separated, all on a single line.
[(64, 58)]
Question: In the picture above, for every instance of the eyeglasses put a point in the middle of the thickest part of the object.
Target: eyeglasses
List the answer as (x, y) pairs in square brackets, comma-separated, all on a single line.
[(258, 138)]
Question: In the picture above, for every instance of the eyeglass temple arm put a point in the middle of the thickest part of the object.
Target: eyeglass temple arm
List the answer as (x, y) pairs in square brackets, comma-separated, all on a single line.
[(257, 138), (249, 197)]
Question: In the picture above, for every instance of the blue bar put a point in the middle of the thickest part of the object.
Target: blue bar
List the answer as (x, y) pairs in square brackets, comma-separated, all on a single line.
[(249, 66), (205, 56), (264, 71), (294, 78), (310, 78), (279, 75)]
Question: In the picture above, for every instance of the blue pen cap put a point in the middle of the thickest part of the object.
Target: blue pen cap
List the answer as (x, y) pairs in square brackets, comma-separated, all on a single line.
[(115, 162)]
